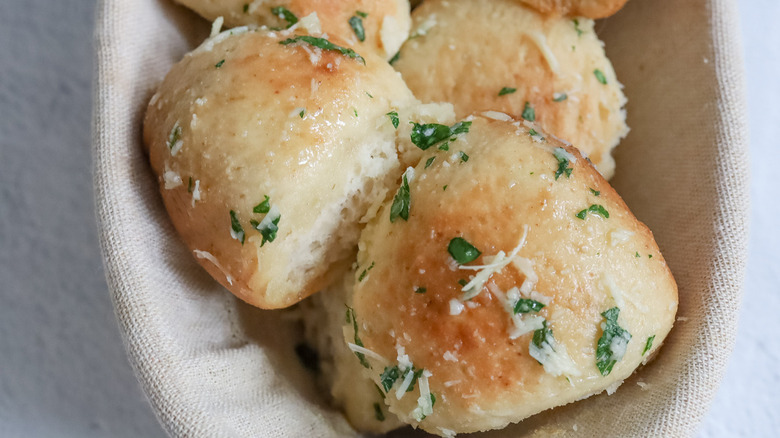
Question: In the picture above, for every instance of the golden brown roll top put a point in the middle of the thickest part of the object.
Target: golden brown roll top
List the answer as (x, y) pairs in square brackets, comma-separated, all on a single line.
[(270, 147), (499, 55), (505, 277), (377, 26), (574, 8)]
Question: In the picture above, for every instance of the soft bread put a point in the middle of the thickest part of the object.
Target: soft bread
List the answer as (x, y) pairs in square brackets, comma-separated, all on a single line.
[(574, 8), (385, 23), (323, 317), (255, 113), (517, 61), (552, 232)]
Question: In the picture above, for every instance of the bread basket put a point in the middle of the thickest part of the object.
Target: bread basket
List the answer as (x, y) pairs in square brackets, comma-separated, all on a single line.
[(213, 366)]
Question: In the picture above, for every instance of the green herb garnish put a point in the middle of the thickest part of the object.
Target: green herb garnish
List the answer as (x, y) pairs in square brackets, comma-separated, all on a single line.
[(612, 343), (463, 156), (365, 272), (285, 14), (263, 207), (389, 376), (563, 163), (393, 118), (577, 27), (600, 76), (362, 14), (356, 23), (462, 251), (506, 90), (246, 7), (236, 230), (175, 136), (429, 162), (525, 305), (353, 319), (420, 290), (528, 112), (189, 185), (402, 202), (219, 64), (324, 44), (395, 58), (594, 191), (648, 345), (429, 134), (541, 335), (268, 227), (595, 209), (559, 97)]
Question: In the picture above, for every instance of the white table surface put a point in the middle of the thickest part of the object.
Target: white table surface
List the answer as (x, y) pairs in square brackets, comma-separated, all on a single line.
[(63, 370)]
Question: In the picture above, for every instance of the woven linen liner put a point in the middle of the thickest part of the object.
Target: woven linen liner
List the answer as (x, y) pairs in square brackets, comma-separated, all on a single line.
[(213, 366)]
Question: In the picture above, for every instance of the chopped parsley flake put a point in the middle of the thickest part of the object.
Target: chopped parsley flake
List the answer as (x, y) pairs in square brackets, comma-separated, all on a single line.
[(269, 226), (532, 132), (559, 97), (324, 44), (395, 58), (528, 112), (429, 134), (462, 282), (429, 162), (285, 14), (462, 251), (369, 95), (302, 114), (237, 231), (219, 64), (189, 186), (595, 209), (563, 163), (362, 14), (648, 345), (506, 90), (612, 343), (402, 202), (420, 290), (444, 146), (444, 189), (365, 272), (246, 7), (378, 414), (263, 207), (600, 76), (175, 136), (354, 110), (649, 256), (389, 376), (353, 319), (636, 254), (463, 156), (594, 191), (577, 27), (356, 23), (541, 335), (525, 305), (393, 118)]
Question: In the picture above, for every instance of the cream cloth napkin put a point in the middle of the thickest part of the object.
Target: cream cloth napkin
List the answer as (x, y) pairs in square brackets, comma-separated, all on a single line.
[(212, 366)]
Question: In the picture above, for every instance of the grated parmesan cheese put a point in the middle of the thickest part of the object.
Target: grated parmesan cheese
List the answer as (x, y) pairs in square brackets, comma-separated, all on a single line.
[(553, 357), (196, 192), (368, 353), (171, 178), (205, 255), (496, 115), (618, 236), (496, 264), (541, 43), (424, 403), (456, 307), (216, 26)]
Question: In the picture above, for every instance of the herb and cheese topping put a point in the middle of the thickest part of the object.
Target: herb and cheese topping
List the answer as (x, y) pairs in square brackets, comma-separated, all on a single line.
[(285, 14), (269, 226), (648, 345), (324, 44), (613, 342), (236, 230), (463, 252), (205, 255), (594, 209), (356, 23), (564, 159), (551, 354), (528, 112), (402, 202), (175, 142), (506, 90), (429, 134), (393, 118)]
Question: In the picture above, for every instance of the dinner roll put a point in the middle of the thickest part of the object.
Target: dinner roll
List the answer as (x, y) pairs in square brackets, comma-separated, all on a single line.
[(546, 69), (378, 26), (505, 277), (270, 151), (323, 317), (572, 8)]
